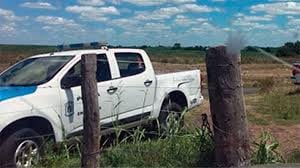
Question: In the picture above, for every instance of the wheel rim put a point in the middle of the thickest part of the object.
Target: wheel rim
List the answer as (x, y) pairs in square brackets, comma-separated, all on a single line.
[(26, 154)]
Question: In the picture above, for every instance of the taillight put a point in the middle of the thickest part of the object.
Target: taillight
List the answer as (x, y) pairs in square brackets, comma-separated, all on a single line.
[(296, 69)]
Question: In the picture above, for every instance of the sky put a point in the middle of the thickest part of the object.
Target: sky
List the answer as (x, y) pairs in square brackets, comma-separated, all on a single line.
[(149, 22)]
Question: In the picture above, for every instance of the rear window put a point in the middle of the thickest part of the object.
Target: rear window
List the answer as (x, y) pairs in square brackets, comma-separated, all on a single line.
[(130, 64)]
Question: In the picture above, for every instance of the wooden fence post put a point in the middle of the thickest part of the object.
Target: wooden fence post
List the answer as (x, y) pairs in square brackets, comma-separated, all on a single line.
[(91, 127), (231, 136)]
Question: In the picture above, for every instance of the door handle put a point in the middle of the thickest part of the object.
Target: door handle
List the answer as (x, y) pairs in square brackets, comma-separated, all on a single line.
[(112, 89), (148, 82)]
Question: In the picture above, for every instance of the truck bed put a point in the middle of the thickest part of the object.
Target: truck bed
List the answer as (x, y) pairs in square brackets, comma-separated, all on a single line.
[(188, 81)]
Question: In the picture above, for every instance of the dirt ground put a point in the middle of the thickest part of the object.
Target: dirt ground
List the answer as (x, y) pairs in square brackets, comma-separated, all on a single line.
[(251, 73), (288, 136)]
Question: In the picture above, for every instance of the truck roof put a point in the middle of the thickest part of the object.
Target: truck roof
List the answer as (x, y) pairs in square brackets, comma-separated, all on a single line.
[(85, 51)]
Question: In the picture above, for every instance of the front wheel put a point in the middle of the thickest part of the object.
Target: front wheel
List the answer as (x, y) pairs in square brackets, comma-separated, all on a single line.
[(170, 118), (21, 149)]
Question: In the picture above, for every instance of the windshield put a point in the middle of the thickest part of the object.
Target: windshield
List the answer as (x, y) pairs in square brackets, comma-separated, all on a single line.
[(33, 71)]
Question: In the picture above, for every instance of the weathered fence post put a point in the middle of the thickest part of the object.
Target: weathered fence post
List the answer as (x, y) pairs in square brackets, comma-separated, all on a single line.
[(231, 137), (91, 127)]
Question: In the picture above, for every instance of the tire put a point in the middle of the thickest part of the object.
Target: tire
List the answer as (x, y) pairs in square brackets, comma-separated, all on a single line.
[(20, 141), (167, 110)]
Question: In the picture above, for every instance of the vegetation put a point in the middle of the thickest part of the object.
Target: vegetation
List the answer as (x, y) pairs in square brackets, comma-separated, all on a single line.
[(281, 105), (175, 147), (266, 150), (139, 150), (175, 54), (289, 49)]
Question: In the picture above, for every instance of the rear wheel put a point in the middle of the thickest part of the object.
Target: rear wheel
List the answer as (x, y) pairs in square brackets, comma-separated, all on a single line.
[(170, 117), (21, 149)]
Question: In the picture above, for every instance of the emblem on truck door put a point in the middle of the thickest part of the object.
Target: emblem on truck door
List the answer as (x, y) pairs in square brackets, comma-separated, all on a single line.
[(69, 108)]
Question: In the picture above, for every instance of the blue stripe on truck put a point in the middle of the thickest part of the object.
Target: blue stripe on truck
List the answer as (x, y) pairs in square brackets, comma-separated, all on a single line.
[(13, 92)]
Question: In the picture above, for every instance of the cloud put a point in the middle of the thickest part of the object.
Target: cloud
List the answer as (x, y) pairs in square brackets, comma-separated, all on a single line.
[(53, 20), (9, 15), (38, 5), (54, 23), (90, 13), (125, 23), (155, 27), (204, 27), (157, 2), (252, 22), (251, 18), (9, 20), (168, 12), (278, 8), (198, 8), (186, 21), (7, 29), (247, 25), (91, 2)]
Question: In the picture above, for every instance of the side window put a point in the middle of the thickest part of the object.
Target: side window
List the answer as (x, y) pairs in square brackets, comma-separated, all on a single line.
[(130, 64), (75, 71), (103, 69)]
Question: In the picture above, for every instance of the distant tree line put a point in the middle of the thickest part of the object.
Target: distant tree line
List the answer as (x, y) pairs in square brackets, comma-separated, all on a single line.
[(289, 49)]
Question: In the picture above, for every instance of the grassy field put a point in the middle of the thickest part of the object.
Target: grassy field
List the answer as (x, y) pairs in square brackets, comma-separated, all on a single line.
[(275, 108)]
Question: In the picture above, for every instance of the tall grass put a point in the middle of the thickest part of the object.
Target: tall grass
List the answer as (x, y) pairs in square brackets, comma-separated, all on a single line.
[(172, 147), (281, 105), (266, 150), (184, 150)]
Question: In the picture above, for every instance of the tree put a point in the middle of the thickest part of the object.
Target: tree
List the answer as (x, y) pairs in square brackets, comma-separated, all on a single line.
[(177, 46), (289, 49), (297, 47)]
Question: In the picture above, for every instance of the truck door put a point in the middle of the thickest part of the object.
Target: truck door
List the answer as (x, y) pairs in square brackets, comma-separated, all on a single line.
[(72, 106), (136, 85)]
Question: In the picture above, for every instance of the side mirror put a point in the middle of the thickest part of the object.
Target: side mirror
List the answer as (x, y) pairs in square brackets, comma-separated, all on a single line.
[(70, 81)]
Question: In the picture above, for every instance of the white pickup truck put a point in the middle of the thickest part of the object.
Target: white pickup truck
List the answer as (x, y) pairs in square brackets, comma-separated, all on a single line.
[(41, 97), (296, 73)]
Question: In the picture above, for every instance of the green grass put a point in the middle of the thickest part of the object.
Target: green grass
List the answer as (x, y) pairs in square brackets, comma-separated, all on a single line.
[(184, 150), (281, 105)]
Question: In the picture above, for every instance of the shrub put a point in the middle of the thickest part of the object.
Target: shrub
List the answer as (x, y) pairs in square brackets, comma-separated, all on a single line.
[(266, 85), (266, 150)]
